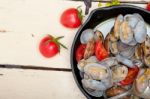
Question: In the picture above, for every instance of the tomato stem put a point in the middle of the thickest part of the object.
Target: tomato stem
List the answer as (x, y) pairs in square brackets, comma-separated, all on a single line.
[(80, 15), (58, 38)]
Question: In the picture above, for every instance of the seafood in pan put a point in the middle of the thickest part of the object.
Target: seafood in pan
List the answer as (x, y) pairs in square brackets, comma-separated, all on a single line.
[(117, 66)]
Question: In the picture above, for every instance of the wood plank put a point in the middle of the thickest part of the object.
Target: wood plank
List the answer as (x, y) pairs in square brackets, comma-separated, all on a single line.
[(122, 1), (25, 18), (24, 22), (31, 84)]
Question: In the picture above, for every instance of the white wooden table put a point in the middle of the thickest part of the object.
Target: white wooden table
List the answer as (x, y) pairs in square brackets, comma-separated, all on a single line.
[(22, 24)]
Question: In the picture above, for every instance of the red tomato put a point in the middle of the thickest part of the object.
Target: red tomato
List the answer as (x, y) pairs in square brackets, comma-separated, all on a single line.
[(132, 73), (71, 18), (148, 6), (100, 51), (80, 52), (50, 46)]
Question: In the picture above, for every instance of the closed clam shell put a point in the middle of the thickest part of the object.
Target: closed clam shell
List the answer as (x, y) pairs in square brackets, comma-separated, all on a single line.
[(122, 46), (125, 61), (133, 42), (109, 62), (125, 50), (96, 71), (131, 19), (86, 35), (140, 32), (128, 53), (138, 16), (93, 84), (93, 87)]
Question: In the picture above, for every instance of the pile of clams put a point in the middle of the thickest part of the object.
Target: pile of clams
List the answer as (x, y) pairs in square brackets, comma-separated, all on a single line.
[(117, 66)]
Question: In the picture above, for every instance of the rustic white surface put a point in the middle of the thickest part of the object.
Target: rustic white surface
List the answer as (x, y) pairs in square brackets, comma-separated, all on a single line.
[(31, 84), (24, 18)]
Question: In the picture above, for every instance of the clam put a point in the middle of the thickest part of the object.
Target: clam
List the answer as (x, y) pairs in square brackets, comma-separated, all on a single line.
[(132, 19), (138, 52), (93, 87), (93, 84), (117, 93), (128, 53), (98, 35), (137, 62), (117, 24), (96, 71), (140, 32), (107, 42), (125, 61), (122, 46), (113, 37), (133, 42), (109, 62), (119, 73), (89, 50), (141, 86), (125, 50), (138, 16), (113, 48), (86, 35), (146, 51), (111, 44), (126, 33), (82, 63)]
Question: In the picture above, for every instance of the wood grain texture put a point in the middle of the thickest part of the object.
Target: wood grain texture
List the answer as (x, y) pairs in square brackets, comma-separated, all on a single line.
[(24, 22), (30, 84), (122, 1)]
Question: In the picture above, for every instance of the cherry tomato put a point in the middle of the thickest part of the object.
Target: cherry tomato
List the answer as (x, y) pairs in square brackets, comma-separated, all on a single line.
[(50, 46), (132, 73), (100, 51), (148, 6), (80, 52), (71, 18)]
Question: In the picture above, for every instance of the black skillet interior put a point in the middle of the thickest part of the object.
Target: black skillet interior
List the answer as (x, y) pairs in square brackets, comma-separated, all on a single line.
[(96, 17)]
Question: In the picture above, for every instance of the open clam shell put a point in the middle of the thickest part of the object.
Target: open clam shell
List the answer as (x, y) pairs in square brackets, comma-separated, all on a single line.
[(119, 73), (126, 33), (118, 22), (96, 71), (141, 86), (140, 32), (146, 51), (98, 35), (82, 63)]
